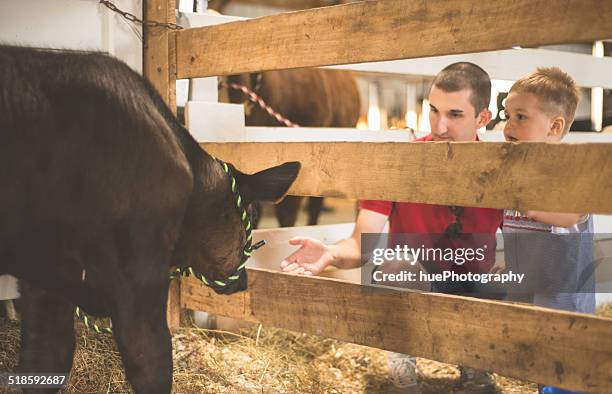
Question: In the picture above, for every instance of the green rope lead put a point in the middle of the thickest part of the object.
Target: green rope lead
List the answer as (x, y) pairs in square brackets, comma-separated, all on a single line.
[(92, 326), (187, 271)]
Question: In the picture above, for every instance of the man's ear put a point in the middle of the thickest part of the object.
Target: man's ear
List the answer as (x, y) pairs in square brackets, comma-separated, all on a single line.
[(557, 127), (484, 117), (270, 184)]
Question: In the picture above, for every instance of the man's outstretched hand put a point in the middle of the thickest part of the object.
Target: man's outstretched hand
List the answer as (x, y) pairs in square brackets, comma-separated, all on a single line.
[(311, 258)]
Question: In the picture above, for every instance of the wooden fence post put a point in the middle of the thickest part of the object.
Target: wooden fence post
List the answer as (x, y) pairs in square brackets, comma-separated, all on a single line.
[(159, 67)]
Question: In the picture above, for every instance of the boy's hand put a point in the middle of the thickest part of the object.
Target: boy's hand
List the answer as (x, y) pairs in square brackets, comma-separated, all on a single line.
[(311, 258), (557, 218)]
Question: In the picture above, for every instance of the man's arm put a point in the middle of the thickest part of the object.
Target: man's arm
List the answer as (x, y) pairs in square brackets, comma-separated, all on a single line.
[(313, 256)]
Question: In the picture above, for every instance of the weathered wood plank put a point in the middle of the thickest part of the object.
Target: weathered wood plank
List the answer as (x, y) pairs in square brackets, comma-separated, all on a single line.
[(159, 67), (569, 350), (574, 177), (282, 4), (386, 30), (159, 49)]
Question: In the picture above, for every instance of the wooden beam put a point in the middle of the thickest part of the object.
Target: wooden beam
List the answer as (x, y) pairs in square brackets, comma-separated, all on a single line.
[(159, 49), (564, 349), (569, 177), (386, 30), (159, 67), (509, 64), (282, 4)]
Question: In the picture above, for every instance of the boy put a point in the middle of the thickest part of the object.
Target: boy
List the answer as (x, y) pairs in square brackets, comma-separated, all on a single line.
[(555, 249)]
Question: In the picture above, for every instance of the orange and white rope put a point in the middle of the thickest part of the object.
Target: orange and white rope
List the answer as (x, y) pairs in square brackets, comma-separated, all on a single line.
[(259, 101)]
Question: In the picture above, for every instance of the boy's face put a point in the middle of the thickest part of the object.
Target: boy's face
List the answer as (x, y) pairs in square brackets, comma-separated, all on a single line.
[(525, 120), (453, 117)]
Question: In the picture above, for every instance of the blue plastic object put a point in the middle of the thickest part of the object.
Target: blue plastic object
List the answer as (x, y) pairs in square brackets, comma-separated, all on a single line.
[(556, 390)]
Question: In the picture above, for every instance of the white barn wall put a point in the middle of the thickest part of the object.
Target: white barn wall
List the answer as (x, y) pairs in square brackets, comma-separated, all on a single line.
[(74, 24)]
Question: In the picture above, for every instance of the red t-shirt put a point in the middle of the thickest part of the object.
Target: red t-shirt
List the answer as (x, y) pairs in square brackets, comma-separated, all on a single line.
[(430, 221)]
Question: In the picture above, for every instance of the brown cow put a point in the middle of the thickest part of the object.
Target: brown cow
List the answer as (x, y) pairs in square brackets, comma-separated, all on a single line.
[(310, 97)]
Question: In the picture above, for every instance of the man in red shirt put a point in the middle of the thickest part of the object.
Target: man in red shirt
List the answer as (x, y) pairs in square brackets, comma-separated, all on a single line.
[(458, 100)]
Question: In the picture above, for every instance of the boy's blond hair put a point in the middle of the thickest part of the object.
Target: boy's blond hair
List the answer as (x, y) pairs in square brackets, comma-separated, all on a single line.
[(555, 90)]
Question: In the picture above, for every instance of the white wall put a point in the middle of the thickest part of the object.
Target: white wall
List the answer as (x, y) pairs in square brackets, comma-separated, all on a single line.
[(73, 24)]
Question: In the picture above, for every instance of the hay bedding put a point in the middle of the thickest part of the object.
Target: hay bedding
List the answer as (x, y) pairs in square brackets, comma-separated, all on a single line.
[(258, 360)]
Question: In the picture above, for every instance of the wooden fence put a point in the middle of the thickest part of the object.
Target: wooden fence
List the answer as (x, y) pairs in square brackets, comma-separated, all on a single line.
[(565, 349)]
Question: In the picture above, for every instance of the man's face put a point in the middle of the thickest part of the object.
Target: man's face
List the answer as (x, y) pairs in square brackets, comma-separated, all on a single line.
[(453, 117), (525, 121)]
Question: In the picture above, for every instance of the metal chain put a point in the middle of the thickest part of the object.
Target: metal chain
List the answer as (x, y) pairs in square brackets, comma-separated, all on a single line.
[(134, 19)]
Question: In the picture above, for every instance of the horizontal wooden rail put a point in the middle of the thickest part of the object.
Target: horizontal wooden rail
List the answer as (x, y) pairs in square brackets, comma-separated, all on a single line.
[(571, 177), (569, 350), (284, 4), (386, 30)]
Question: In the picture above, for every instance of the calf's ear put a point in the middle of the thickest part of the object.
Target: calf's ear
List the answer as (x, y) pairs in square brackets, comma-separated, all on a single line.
[(270, 184)]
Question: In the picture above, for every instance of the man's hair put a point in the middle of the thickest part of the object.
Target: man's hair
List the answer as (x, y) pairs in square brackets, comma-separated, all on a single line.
[(555, 90), (465, 75)]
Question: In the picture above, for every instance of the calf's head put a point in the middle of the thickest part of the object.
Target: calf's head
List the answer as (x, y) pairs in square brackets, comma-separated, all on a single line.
[(214, 231)]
